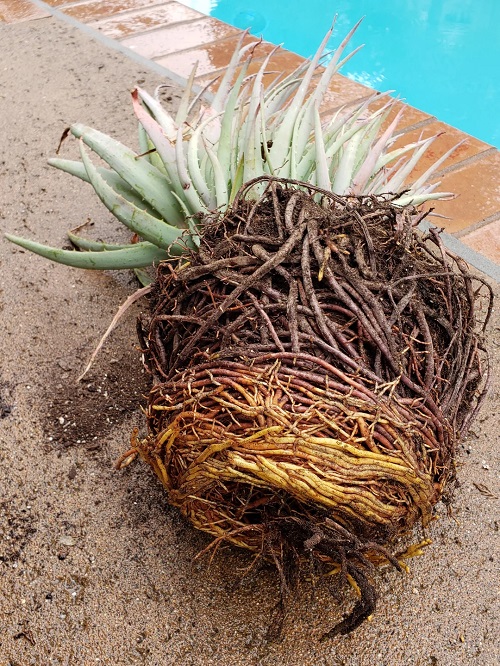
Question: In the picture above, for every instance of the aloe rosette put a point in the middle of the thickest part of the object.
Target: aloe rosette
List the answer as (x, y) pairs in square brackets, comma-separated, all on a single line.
[(195, 162)]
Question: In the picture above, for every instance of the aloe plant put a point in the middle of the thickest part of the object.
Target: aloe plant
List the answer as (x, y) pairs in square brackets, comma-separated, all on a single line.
[(195, 162)]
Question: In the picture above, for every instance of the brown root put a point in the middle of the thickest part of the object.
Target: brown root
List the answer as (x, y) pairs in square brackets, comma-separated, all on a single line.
[(315, 364)]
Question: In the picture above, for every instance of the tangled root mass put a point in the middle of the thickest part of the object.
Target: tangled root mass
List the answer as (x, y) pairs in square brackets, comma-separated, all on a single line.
[(315, 364)]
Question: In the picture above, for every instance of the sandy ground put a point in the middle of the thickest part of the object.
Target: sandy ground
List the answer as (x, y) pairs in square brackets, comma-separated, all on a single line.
[(95, 568)]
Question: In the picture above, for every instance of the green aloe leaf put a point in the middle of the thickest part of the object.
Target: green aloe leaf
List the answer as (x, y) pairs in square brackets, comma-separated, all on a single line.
[(73, 167), (145, 179), (285, 131), (367, 168), (227, 124), (161, 116), (95, 246), (220, 182), (183, 109), (193, 200), (117, 183), (195, 172), (334, 65), (164, 145), (220, 99), (150, 228), (144, 143), (143, 276), (322, 173), (424, 178), (393, 155), (137, 256), (395, 184), (238, 180), (344, 173)]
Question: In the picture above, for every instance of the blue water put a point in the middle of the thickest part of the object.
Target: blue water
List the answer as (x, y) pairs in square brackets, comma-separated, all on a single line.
[(441, 56)]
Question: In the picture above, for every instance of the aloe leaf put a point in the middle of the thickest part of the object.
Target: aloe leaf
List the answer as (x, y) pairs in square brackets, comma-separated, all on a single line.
[(350, 55), (322, 174), (95, 246), (366, 143), (143, 276), (237, 180), (378, 184), (334, 65), (289, 167), (137, 256), (343, 176), (284, 132), (194, 238), (417, 199), (211, 117), (253, 140), (398, 179), (306, 163), (277, 98), (392, 155), (206, 169), (238, 142), (199, 175), (277, 95), (264, 139), (182, 205), (183, 109), (150, 228), (117, 183), (162, 117), (190, 196), (367, 169), (144, 143), (251, 151), (164, 146), (73, 167), (142, 176), (201, 95), (148, 147), (276, 104), (221, 193), (226, 132), (301, 137), (358, 112), (343, 138), (433, 168), (195, 171), (220, 98)]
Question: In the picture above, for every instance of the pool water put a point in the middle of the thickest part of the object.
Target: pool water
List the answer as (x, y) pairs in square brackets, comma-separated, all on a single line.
[(440, 56)]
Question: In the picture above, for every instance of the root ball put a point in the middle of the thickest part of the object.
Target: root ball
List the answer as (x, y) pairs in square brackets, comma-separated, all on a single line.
[(315, 364)]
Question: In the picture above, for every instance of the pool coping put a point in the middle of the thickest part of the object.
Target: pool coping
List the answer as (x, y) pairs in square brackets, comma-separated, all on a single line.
[(453, 241)]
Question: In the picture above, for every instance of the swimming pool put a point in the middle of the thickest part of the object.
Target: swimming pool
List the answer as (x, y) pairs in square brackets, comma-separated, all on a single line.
[(441, 56)]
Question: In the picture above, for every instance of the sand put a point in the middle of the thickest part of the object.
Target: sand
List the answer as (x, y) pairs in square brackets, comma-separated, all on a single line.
[(95, 568)]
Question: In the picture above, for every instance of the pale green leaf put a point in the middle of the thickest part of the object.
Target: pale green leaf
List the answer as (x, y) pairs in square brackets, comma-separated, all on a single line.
[(137, 256), (142, 176), (95, 246), (150, 228)]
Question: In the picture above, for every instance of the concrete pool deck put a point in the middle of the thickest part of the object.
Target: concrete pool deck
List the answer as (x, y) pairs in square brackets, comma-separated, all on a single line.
[(172, 38)]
